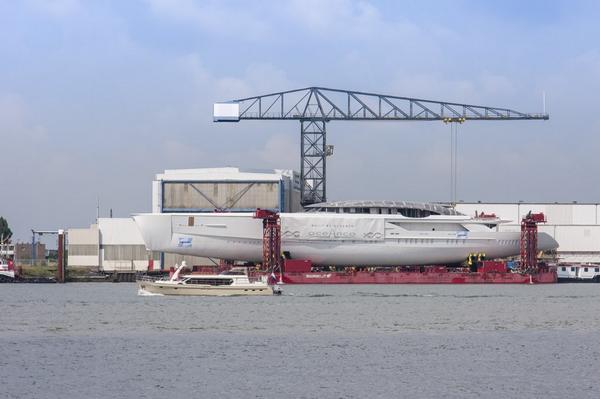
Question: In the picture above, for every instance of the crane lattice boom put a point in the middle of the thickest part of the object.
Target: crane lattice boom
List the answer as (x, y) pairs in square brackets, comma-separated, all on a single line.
[(315, 106)]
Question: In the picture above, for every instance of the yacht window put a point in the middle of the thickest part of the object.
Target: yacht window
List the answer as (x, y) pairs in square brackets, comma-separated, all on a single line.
[(210, 281), (572, 269), (564, 269), (597, 269), (416, 213), (418, 226), (585, 269)]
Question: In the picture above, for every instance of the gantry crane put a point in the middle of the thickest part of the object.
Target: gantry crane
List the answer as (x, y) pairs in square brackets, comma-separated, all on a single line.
[(315, 106)]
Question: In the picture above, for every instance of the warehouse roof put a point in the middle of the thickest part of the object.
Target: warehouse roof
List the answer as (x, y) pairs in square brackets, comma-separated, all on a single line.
[(224, 174)]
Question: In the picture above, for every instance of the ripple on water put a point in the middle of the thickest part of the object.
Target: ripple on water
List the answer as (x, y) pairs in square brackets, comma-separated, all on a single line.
[(103, 340)]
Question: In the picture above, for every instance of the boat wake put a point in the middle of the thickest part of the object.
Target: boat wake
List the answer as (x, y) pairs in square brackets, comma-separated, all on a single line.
[(143, 292)]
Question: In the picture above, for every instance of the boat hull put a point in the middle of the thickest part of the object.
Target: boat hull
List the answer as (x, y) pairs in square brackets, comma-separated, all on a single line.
[(336, 240), (165, 288)]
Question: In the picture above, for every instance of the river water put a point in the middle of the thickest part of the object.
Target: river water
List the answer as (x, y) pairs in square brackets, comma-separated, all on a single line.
[(354, 341)]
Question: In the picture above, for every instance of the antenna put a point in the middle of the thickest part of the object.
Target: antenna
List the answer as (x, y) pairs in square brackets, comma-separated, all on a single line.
[(97, 208)]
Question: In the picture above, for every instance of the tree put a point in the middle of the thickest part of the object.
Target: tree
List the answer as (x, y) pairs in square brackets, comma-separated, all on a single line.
[(5, 232)]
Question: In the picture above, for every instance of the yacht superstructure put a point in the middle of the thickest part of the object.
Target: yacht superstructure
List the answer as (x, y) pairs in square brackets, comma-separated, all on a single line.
[(404, 234)]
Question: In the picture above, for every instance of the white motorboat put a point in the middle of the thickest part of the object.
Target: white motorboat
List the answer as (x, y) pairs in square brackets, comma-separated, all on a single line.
[(229, 283), (7, 272), (379, 234)]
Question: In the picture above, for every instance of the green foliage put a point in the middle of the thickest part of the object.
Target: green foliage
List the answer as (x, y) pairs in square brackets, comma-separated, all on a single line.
[(5, 232)]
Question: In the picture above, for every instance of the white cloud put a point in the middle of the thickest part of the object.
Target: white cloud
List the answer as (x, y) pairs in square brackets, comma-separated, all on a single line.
[(236, 23), (56, 8), (15, 124), (281, 151), (345, 18)]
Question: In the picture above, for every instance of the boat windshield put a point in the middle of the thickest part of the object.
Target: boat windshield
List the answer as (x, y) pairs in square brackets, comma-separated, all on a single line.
[(209, 281)]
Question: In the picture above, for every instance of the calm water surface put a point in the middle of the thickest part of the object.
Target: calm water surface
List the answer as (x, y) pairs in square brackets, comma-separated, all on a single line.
[(356, 341)]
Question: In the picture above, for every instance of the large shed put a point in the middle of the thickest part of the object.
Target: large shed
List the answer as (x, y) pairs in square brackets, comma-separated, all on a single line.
[(230, 189)]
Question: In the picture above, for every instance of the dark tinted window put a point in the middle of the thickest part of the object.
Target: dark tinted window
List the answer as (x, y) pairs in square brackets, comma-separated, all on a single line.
[(210, 281)]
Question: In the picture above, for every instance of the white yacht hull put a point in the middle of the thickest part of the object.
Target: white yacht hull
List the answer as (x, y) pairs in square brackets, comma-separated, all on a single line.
[(168, 288), (333, 239)]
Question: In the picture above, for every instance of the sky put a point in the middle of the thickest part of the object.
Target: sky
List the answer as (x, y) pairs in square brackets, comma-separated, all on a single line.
[(98, 96)]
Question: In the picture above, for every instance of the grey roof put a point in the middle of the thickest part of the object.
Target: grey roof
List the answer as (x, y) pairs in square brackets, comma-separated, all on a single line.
[(426, 206)]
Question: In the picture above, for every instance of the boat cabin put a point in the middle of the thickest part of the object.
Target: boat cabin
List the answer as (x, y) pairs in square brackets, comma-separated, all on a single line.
[(578, 273)]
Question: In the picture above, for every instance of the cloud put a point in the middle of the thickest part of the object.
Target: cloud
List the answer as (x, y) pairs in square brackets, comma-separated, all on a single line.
[(281, 151), (56, 8), (237, 23), (344, 19), (16, 128)]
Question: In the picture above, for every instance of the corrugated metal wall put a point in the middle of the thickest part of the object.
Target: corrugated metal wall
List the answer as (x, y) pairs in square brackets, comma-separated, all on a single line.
[(181, 196), (83, 249), (176, 259), (125, 252)]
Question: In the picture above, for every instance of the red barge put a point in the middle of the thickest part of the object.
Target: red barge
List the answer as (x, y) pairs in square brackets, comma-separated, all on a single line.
[(488, 272), (436, 276)]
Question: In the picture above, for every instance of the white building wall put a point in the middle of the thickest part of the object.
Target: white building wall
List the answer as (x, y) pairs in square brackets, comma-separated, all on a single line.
[(82, 246), (585, 214), (121, 236), (156, 197)]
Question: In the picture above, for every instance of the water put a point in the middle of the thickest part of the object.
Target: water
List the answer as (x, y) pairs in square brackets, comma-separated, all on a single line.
[(105, 341)]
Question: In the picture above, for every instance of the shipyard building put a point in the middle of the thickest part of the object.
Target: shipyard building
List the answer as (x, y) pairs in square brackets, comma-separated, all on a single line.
[(114, 244), (225, 189)]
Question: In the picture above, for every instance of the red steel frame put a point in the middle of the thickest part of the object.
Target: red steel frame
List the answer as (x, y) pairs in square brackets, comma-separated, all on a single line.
[(271, 240), (529, 239)]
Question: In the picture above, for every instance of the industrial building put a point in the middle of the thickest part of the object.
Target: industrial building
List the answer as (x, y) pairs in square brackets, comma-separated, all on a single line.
[(225, 189), (110, 245), (574, 225), (114, 244)]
